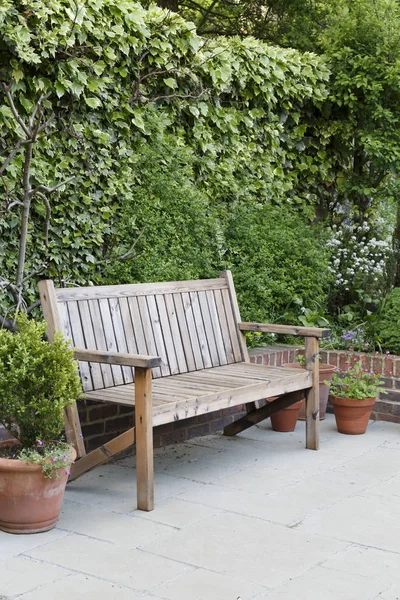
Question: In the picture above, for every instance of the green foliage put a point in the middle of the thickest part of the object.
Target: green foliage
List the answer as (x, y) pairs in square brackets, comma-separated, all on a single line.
[(277, 258), (242, 113), (388, 325), (51, 457), (173, 217), (357, 383), (362, 45), (37, 381)]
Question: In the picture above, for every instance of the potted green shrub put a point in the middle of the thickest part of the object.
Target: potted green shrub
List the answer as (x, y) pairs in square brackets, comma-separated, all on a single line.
[(353, 396), (37, 381)]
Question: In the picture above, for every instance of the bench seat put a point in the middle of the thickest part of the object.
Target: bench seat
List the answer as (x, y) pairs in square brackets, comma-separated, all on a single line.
[(187, 395)]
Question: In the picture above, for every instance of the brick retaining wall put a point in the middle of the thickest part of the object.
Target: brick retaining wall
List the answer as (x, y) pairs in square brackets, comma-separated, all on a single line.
[(102, 422)]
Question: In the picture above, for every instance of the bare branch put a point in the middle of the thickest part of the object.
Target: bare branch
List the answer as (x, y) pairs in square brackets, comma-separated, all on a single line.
[(15, 203), (181, 96), (48, 215), (11, 156), (50, 190), (36, 272), (33, 306), (37, 106), (126, 254), (13, 108), (7, 324)]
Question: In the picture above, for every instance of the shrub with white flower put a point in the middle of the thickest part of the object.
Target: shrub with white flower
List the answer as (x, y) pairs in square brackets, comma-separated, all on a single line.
[(358, 259)]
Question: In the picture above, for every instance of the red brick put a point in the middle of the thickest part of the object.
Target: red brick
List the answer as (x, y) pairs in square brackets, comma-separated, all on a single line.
[(278, 359), (285, 357), (102, 412), (219, 424), (382, 407), (266, 359), (392, 395), (333, 359), (118, 424), (175, 436), (93, 429), (388, 365), (388, 382), (292, 355), (389, 418), (161, 429), (272, 359), (323, 357), (342, 360), (98, 440), (396, 367), (198, 430), (126, 410), (377, 365), (259, 359), (252, 359)]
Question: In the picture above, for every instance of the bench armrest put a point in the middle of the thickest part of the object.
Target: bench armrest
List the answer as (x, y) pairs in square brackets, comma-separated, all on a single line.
[(285, 329), (117, 358)]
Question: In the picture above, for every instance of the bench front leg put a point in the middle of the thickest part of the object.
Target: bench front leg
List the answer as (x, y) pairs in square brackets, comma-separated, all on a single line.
[(312, 394), (144, 439)]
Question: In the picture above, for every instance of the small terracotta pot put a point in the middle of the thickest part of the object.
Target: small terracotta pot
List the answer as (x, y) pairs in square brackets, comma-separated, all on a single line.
[(285, 420), (325, 374), (29, 503), (352, 415)]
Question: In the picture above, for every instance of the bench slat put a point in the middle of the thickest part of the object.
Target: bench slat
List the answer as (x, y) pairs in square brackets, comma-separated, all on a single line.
[(78, 340), (137, 289), (109, 337), (216, 327), (175, 333), (201, 333), (120, 336), (208, 326), (167, 334), (90, 341), (100, 341)]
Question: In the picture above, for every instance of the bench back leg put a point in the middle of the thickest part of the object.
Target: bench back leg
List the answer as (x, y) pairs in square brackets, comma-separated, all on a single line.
[(312, 394), (144, 439)]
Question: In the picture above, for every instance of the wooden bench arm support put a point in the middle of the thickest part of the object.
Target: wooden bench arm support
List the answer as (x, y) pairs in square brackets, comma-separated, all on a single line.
[(117, 358), (315, 332)]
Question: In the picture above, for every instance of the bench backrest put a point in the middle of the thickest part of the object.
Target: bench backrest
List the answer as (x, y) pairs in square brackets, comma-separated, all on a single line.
[(191, 325)]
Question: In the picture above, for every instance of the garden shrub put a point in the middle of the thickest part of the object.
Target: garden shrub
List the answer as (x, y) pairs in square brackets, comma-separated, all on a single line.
[(279, 262), (388, 327), (174, 218)]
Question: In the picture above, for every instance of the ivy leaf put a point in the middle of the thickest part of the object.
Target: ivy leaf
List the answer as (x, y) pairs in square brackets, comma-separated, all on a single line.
[(93, 102)]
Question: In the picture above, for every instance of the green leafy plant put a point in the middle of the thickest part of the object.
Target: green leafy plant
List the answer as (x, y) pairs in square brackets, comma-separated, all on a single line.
[(388, 325), (37, 381), (356, 383), (51, 457), (301, 359)]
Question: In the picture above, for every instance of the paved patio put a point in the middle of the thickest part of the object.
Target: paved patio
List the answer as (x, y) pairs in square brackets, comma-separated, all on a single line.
[(254, 517)]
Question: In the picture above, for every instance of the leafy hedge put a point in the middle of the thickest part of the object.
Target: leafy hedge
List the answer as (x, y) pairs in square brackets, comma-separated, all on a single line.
[(236, 120)]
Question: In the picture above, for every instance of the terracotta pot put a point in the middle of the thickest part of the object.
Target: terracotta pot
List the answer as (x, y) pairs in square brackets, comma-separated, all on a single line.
[(325, 374), (286, 419), (351, 415), (29, 503)]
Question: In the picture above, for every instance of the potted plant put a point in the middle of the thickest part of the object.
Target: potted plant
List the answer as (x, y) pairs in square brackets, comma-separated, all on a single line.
[(37, 381), (325, 374), (353, 395)]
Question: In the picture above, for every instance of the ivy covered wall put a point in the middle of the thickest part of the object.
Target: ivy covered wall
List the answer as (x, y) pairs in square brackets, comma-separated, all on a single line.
[(170, 138)]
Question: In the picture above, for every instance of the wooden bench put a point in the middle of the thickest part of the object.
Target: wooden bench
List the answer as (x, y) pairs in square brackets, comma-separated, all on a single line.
[(173, 350)]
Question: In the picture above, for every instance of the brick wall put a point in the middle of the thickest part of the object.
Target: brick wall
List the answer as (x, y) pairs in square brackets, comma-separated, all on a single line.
[(101, 422)]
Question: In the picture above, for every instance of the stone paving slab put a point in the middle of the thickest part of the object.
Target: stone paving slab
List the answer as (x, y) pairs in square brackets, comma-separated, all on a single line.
[(256, 517)]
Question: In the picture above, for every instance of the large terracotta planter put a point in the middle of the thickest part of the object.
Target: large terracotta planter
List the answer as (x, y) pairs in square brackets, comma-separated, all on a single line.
[(351, 415), (285, 420), (29, 503), (325, 374)]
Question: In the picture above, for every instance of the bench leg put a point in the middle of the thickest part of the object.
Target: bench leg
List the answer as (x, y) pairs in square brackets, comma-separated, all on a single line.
[(312, 394), (144, 439), (260, 414)]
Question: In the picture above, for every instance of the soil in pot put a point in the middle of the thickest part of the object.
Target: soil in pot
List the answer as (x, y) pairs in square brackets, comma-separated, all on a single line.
[(352, 416), (285, 420), (29, 503), (325, 374)]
